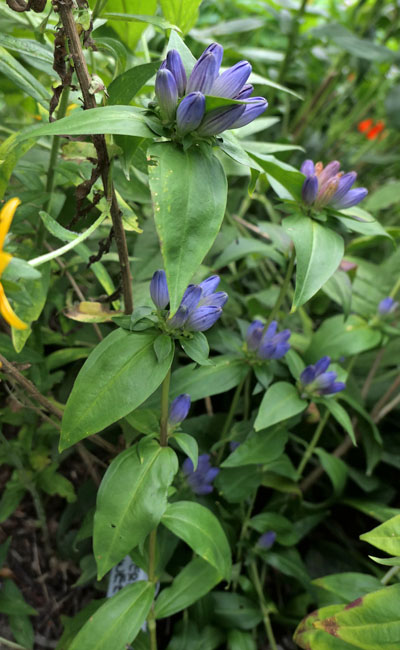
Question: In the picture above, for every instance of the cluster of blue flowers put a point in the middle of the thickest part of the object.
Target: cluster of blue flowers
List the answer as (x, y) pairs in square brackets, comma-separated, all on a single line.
[(201, 479), (329, 186), (200, 307), (184, 100), (268, 345), (387, 306), (317, 380)]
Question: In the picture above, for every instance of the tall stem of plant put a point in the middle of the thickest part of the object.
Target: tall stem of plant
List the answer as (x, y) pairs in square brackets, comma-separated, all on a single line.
[(230, 417), (313, 443), (283, 290), (264, 607)]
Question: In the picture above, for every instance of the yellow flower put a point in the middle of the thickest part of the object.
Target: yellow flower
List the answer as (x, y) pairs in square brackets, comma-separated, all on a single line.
[(6, 217)]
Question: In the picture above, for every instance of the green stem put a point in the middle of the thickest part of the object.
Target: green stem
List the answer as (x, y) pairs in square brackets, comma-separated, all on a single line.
[(11, 644), (164, 410), (229, 418), (291, 44), (390, 574), (313, 442), (283, 290), (51, 172), (151, 620), (264, 607)]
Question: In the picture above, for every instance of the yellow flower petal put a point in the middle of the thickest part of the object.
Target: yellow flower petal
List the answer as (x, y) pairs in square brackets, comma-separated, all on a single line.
[(6, 217), (5, 259), (8, 313)]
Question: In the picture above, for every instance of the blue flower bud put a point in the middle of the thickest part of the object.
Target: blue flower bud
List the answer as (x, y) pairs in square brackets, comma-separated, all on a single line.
[(189, 302), (308, 375), (200, 480), (217, 50), (254, 334), (345, 183), (203, 74), (322, 365), (328, 172), (316, 379), (267, 539), (174, 64), (387, 306), (309, 190), (166, 93), (209, 284), (308, 168), (230, 82), (179, 409), (214, 299), (190, 112), (202, 318), (220, 119), (274, 345), (253, 109), (159, 290), (353, 197), (245, 92)]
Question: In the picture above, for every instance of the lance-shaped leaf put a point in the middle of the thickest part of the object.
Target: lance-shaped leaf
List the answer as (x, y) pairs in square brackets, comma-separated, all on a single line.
[(119, 375), (319, 251), (201, 530), (386, 536), (279, 403), (131, 500), (117, 622), (188, 216)]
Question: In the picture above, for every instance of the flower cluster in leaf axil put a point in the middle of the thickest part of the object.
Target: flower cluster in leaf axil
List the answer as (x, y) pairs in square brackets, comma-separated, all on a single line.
[(183, 100), (387, 306), (317, 380), (200, 307), (269, 344), (179, 409), (328, 186), (201, 479), (6, 217)]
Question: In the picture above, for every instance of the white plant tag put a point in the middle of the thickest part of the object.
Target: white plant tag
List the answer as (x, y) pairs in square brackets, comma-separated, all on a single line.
[(125, 573)]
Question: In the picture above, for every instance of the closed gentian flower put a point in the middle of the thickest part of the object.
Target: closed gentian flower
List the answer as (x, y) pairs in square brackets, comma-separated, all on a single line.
[(179, 409), (202, 318), (328, 186), (166, 93), (268, 345), (267, 540), (200, 480), (174, 64), (387, 306), (189, 302), (209, 285), (316, 379), (159, 290), (190, 112), (191, 115)]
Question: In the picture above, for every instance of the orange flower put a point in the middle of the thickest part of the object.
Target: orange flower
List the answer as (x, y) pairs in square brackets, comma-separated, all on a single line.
[(365, 125), (371, 131), (6, 217)]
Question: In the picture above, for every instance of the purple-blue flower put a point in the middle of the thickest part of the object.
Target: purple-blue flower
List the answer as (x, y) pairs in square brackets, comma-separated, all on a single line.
[(387, 306), (316, 379), (179, 408), (200, 307), (205, 79), (159, 290), (268, 345), (200, 480), (267, 540), (329, 186)]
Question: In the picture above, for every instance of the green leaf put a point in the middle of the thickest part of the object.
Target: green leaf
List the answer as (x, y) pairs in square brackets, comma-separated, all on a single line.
[(19, 269), (189, 446), (201, 530), (238, 640), (335, 468), (319, 251), (126, 86), (119, 375), (193, 582), (157, 21), (280, 402), (285, 175), (360, 47), (260, 447), (224, 374), (233, 148), (118, 120), (116, 623), (348, 586), (163, 347), (12, 495), (265, 521), (177, 180), (176, 43), (243, 247), (339, 289), (12, 601), (183, 13), (197, 348), (234, 610), (73, 625), (51, 482), (131, 500), (337, 337), (11, 150), (236, 483), (340, 414), (367, 623), (130, 32), (378, 511), (386, 537), (19, 75), (37, 289)]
